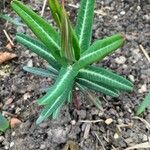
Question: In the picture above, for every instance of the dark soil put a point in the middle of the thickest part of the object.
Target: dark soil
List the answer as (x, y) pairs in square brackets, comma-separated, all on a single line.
[(131, 17)]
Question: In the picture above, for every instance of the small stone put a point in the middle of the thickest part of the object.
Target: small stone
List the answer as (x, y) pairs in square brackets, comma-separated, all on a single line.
[(120, 60), (145, 138), (30, 63), (143, 88), (116, 136), (1, 139), (73, 122), (13, 133), (122, 13), (115, 17), (138, 8), (42, 146), (131, 77), (11, 144), (108, 121)]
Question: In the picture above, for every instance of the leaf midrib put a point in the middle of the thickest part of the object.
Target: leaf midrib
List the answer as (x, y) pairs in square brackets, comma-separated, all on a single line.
[(84, 23)]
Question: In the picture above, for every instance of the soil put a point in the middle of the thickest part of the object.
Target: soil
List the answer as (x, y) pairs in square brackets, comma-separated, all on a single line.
[(131, 17)]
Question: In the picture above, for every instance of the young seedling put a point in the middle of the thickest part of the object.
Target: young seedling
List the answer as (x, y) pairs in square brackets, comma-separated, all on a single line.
[(145, 103), (70, 55), (4, 124)]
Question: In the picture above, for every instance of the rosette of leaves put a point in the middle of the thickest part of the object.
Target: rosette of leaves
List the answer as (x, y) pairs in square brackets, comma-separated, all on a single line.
[(70, 55)]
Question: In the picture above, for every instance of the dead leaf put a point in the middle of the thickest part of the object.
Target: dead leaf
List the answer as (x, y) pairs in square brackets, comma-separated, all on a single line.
[(5, 56), (9, 46), (14, 122), (71, 145)]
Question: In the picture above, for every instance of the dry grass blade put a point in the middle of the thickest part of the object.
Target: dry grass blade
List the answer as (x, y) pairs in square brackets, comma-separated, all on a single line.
[(43, 8), (144, 121), (5, 56), (144, 52), (139, 146), (103, 147), (8, 37), (91, 121)]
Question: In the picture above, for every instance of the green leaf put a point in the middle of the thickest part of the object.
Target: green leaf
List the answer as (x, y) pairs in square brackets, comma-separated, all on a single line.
[(56, 112), (4, 124), (37, 47), (14, 21), (144, 104), (52, 107), (98, 87), (53, 70), (66, 38), (105, 76), (58, 14), (100, 49), (69, 99), (64, 80), (39, 71), (84, 23), (56, 11), (42, 29)]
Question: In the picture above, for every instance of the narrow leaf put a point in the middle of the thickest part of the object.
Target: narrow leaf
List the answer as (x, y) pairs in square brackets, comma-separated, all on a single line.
[(4, 124), (65, 78), (58, 13), (52, 107), (99, 74), (39, 71), (98, 87), (144, 104), (84, 23), (43, 30), (99, 50), (37, 47)]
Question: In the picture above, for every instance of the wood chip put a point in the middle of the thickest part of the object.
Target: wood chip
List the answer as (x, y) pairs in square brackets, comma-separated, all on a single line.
[(108, 121), (71, 145), (5, 56), (14, 122), (87, 130)]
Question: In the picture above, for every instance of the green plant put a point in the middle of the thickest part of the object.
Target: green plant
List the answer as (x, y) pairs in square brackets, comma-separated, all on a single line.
[(145, 103), (70, 54), (4, 124)]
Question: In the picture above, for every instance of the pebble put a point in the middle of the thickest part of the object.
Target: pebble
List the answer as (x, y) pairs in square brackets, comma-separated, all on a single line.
[(42, 146), (1, 139), (143, 89), (120, 60), (108, 121), (12, 144), (73, 122), (122, 13), (30, 63), (131, 77), (116, 136)]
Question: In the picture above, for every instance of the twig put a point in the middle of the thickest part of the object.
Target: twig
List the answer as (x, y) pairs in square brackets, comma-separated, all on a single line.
[(87, 130), (8, 37), (139, 146), (99, 141), (91, 121), (43, 8), (145, 52), (144, 121)]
